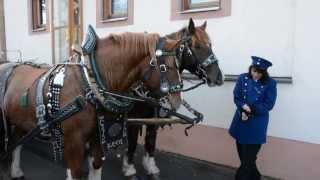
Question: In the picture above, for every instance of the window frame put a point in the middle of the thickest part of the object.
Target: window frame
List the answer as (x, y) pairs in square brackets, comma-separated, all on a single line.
[(107, 14), (113, 20), (179, 10), (36, 16), (188, 6)]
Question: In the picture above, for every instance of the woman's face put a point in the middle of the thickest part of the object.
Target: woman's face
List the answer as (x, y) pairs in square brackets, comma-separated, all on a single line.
[(256, 74)]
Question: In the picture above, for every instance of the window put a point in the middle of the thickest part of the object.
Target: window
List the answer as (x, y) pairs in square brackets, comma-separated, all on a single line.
[(196, 5), (199, 9), (114, 13), (114, 9), (39, 15)]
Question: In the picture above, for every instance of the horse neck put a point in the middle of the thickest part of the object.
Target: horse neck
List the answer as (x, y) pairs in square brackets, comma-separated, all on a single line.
[(120, 68)]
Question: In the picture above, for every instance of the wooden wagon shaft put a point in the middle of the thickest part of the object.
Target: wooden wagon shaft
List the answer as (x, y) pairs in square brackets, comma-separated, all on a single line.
[(156, 121)]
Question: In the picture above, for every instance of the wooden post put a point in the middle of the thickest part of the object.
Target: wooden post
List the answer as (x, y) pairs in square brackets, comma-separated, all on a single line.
[(3, 55)]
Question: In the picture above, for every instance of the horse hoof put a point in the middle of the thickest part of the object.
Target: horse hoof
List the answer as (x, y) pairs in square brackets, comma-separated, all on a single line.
[(154, 177), (19, 178), (134, 177)]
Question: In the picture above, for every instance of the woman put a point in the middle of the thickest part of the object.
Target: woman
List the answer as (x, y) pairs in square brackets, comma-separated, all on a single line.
[(254, 95)]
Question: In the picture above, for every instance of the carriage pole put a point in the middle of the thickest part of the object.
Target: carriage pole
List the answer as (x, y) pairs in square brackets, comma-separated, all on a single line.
[(156, 121)]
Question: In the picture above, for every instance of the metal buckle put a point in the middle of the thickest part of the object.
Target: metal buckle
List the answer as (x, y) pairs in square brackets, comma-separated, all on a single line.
[(181, 47), (189, 51), (40, 111), (163, 68), (210, 60), (159, 52), (153, 62)]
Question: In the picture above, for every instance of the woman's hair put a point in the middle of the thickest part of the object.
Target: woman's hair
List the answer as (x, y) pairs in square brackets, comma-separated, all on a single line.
[(264, 72)]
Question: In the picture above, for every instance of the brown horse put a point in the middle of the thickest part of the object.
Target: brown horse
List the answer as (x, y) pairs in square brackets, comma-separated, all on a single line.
[(122, 60), (196, 63)]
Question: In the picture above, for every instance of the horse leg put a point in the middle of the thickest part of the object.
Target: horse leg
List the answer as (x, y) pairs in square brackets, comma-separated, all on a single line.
[(95, 160), (15, 168), (74, 155), (148, 160), (16, 172), (128, 167)]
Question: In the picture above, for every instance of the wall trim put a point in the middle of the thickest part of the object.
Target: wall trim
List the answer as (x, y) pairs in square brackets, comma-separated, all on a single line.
[(233, 78)]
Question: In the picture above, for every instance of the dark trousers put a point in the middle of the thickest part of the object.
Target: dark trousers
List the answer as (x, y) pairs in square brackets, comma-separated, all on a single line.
[(248, 155)]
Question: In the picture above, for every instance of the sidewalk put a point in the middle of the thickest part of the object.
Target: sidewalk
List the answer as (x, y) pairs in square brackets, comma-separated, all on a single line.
[(173, 167)]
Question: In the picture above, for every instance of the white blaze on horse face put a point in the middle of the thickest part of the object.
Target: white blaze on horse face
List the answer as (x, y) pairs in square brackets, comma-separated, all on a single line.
[(94, 174), (16, 171)]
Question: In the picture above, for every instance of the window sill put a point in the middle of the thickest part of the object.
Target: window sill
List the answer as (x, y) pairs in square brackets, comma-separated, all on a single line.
[(199, 10), (114, 20), (39, 29)]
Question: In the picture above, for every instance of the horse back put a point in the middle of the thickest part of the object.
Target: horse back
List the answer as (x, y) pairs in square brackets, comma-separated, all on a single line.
[(24, 80), (21, 82)]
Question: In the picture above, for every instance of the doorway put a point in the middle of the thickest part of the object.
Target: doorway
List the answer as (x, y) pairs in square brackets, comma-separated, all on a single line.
[(66, 28)]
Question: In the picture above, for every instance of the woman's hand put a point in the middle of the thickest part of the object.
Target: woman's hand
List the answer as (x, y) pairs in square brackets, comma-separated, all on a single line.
[(244, 116), (246, 108)]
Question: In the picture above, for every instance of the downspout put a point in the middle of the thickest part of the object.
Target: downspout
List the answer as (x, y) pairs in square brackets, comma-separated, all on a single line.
[(3, 54)]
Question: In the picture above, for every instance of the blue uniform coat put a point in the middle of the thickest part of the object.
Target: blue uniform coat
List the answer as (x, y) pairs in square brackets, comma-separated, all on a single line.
[(261, 99)]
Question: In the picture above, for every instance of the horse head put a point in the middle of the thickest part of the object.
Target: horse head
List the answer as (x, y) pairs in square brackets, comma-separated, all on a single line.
[(132, 57), (161, 75), (195, 54)]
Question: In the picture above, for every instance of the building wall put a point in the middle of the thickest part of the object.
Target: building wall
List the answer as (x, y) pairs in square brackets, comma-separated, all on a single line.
[(277, 30), (35, 47), (283, 31)]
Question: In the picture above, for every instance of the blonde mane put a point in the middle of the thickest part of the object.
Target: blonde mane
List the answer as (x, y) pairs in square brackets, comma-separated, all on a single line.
[(119, 53)]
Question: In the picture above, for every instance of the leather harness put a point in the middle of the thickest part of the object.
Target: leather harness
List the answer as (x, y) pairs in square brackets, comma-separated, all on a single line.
[(95, 92)]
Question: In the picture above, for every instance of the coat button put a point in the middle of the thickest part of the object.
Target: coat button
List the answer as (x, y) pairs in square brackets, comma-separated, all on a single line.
[(244, 97), (246, 84)]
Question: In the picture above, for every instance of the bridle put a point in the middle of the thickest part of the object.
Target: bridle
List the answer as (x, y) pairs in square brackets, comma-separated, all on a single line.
[(201, 65), (166, 87)]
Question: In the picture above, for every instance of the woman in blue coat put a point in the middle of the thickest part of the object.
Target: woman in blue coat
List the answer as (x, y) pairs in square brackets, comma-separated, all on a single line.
[(254, 95)]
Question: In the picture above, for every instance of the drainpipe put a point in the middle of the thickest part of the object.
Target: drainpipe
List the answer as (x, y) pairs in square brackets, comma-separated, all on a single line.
[(3, 55)]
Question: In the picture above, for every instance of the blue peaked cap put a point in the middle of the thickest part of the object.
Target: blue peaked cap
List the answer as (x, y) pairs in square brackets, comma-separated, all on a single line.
[(260, 63)]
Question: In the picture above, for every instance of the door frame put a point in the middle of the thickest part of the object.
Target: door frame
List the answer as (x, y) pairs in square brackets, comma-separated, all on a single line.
[(70, 25)]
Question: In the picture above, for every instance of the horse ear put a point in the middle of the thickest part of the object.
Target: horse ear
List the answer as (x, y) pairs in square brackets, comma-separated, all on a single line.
[(191, 26), (204, 26)]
